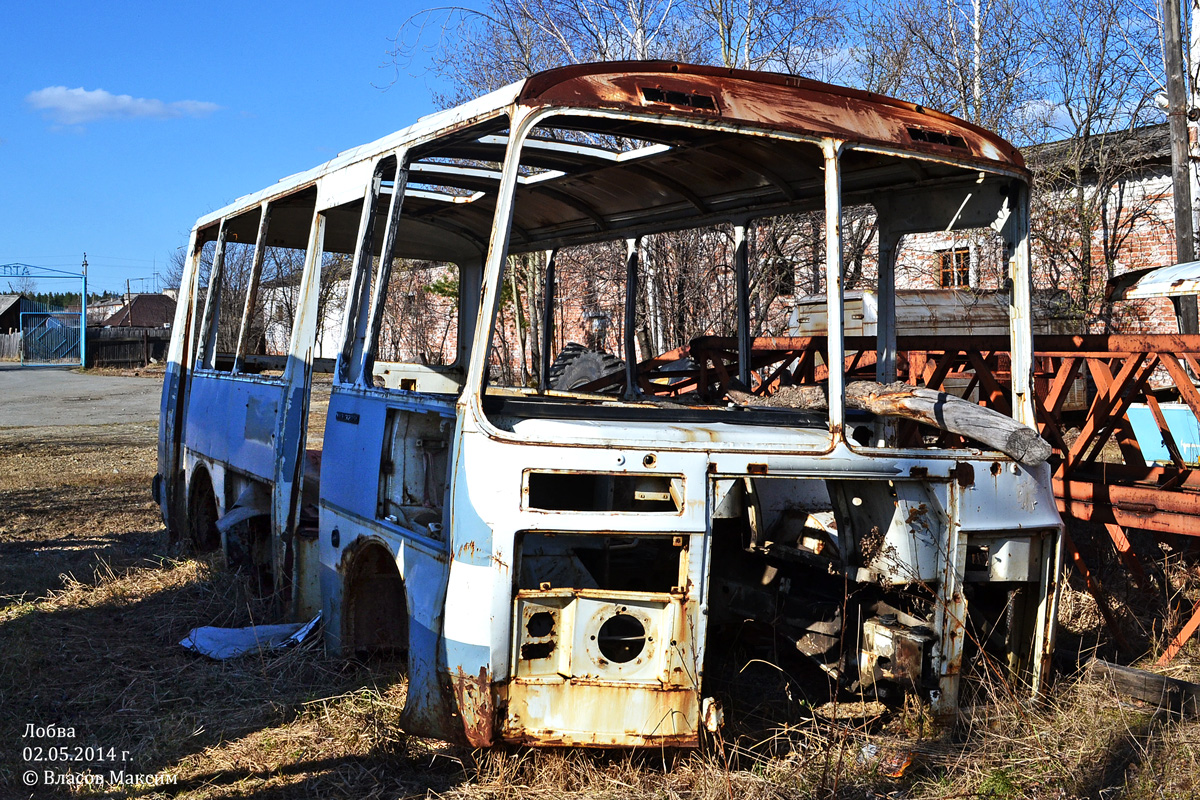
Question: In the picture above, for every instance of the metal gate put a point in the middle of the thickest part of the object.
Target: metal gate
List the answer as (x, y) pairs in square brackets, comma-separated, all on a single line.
[(49, 337)]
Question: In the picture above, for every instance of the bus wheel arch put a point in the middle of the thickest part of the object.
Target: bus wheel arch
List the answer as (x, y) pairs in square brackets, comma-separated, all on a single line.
[(374, 602)]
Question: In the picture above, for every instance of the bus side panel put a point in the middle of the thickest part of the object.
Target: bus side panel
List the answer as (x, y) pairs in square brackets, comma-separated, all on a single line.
[(427, 709), (351, 455), (351, 466), (233, 420), (479, 592)]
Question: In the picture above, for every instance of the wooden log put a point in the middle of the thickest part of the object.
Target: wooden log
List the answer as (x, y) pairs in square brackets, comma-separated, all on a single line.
[(1149, 687), (941, 410)]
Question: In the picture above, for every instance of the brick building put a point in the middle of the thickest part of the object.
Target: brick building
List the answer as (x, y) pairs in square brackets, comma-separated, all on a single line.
[(1128, 201)]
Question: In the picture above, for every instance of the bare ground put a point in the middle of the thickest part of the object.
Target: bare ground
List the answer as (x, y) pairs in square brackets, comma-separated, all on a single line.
[(93, 604)]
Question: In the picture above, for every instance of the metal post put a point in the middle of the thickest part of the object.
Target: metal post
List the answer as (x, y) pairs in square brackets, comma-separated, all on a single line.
[(885, 329), (835, 304), (1193, 66), (256, 265), (206, 353), (1180, 178), (741, 263), (358, 293), (83, 316), (366, 369), (629, 330), (548, 318)]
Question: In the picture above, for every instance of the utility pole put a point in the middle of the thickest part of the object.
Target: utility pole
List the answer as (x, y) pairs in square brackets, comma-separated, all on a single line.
[(1193, 72), (83, 315), (1177, 113)]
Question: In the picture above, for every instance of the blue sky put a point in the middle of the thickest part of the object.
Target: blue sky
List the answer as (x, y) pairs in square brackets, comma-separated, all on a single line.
[(183, 108)]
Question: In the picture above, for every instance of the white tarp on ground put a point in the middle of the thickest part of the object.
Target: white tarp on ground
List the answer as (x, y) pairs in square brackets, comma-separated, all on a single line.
[(223, 643)]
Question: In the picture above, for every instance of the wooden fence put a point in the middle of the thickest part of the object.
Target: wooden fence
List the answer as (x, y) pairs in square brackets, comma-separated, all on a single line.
[(126, 347), (10, 346), (107, 347)]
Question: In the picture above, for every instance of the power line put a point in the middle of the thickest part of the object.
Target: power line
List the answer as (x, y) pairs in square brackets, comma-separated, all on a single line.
[(73, 257)]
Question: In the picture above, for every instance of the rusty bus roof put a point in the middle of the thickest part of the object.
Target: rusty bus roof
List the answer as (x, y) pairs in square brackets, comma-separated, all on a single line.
[(579, 185), (770, 100)]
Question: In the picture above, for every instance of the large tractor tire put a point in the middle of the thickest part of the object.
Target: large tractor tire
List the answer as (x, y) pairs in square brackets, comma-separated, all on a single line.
[(578, 366)]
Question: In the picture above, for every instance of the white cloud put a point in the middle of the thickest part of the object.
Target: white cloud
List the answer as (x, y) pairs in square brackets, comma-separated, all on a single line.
[(76, 106)]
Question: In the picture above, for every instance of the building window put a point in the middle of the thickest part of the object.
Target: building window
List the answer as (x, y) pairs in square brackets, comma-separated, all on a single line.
[(955, 268)]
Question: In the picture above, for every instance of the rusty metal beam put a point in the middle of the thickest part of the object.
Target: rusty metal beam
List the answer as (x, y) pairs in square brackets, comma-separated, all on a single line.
[(1181, 638), (999, 398), (1049, 430), (1064, 376), (1131, 495), (1096, 345), (1098, 415), (1148, 508), (1183, 382), (1125, 392)]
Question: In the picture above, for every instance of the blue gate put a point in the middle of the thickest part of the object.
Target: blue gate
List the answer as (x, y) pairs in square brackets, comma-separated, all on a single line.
[(49, 337)]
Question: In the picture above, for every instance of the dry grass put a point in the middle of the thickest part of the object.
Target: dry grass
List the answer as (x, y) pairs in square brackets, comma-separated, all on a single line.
[(155, 371), (92, 606)]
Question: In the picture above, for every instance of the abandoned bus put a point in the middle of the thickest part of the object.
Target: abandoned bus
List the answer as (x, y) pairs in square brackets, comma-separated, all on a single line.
[(569, 444)]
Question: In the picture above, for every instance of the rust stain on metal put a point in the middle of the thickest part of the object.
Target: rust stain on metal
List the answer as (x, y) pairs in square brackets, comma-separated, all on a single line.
[(964, 473), (908, 664), (533, 739), (474, 696), (646, 715), (769, 101)]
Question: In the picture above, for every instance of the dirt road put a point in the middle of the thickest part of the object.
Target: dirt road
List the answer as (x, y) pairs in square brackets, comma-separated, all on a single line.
[(55, 396)]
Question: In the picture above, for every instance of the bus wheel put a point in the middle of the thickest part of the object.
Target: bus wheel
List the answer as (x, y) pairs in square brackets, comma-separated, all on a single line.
[(202, 515)]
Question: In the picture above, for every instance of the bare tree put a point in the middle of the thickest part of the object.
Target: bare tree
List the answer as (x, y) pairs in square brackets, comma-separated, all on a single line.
[(24, 285), (1098, 64), (972, 59), (1075, 70), (277, 299), (477, 51), (800, 37), (420, 314)]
